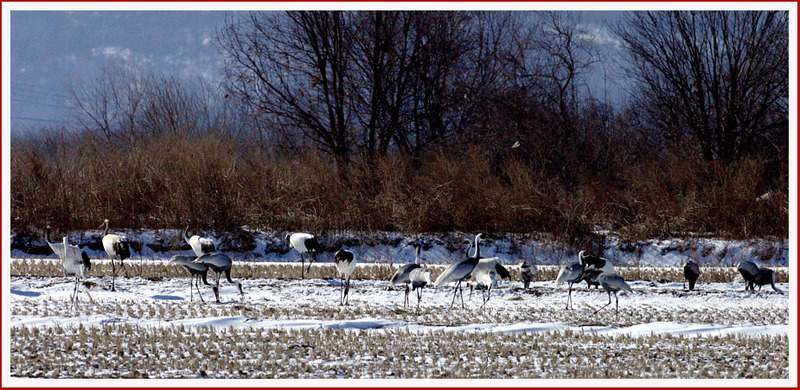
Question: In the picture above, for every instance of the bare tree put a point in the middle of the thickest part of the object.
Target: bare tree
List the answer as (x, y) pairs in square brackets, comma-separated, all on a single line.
[(718, 77), (563, 52), (110, 102), (293, 66)]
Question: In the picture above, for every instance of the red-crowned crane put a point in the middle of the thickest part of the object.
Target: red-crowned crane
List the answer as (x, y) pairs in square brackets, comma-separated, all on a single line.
[(219, 263), (485, 277), (419, 278), (403, 274), (588, 261), (304, 243), (197, 271), (691, 272), (200, 245), (345, 264), (76, 262), (117, 247)]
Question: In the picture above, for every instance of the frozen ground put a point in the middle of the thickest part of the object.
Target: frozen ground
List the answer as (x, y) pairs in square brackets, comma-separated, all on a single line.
[(714, 319)]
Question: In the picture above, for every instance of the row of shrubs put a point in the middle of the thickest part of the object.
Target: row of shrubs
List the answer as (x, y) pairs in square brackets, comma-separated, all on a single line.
[(74, 181)]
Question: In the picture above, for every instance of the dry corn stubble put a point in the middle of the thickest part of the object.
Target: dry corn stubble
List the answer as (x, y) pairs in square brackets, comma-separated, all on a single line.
[(122, 351)]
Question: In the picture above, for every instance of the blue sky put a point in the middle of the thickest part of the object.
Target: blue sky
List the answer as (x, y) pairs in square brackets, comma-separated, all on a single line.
[(51, 49)]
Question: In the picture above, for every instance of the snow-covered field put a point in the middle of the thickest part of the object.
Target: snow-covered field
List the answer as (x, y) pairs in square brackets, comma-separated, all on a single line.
[(290, 328)]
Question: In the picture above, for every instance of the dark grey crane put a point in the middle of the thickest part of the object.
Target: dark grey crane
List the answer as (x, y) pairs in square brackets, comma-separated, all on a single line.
[(691, 272), (219, 263), (766, 276), (403, 274), (459, 271), (345, 264), (197, 271), (612, 283), (570, 274), (755, 275), (591, 277), (749, 270), (76, 262), (304, 243), (117, 247)]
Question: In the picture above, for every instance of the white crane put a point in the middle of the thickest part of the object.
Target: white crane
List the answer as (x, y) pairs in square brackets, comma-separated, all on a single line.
[(612, 283), (486, 277), (200, 245), (304, 243), (570, 274), (345, 264), (588, 261), (691, 272), (76, 262), (403, 274), (527, 271), (117, 247), (198, 271), (484, 266), (219, 263), (419, 278), (459, 271)]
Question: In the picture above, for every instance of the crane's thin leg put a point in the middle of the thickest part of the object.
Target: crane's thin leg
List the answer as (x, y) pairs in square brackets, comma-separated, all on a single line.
[(419, 298), (113, 274), (455, 292), (569, 297), (74, 298), (609, 302), (341, 290), (302, 267), (616, 310), (216, 288), (199, 293), (308, 270), (461, 292), (483, 297), (470, 291), (347, 291)]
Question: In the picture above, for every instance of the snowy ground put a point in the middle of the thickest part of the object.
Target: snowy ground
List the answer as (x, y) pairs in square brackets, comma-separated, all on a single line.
[(701, 327)]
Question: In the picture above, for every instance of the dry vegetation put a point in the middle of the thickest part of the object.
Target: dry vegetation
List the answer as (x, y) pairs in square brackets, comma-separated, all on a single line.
[(157, 270), (114, 351), (171, 177)]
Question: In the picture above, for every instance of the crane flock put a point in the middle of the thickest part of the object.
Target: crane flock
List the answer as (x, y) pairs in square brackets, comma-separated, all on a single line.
[(477, 271)]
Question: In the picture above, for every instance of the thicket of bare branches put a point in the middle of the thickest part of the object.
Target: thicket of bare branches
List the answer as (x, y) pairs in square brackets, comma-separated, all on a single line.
[(406, 121)]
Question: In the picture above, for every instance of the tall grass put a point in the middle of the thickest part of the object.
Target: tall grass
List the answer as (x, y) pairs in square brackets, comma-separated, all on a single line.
[(76, 181)]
